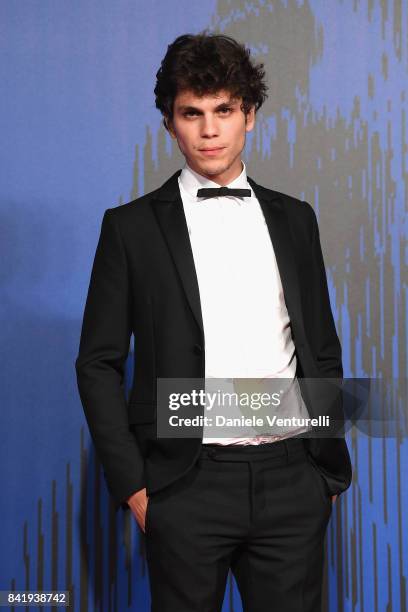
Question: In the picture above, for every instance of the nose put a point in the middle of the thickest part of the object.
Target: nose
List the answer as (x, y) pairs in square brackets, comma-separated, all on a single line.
[(209, 127)]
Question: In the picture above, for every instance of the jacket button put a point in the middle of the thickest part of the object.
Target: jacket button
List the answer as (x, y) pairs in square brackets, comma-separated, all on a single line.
[(198, 349)]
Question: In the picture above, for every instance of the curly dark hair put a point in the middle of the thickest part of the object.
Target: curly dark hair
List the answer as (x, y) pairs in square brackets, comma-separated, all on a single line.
[(205, 63)]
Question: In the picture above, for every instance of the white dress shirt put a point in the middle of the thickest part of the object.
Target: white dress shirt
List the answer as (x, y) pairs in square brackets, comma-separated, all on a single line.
[(247, 329)]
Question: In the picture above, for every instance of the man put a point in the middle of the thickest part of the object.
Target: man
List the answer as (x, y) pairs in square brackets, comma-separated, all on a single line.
[(177, 268)]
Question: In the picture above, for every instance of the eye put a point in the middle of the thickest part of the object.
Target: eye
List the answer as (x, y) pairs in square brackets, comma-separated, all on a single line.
[(225, 110), (189, 113)]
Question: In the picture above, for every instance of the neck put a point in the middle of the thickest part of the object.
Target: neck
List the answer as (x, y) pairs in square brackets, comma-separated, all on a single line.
[(225, 177)]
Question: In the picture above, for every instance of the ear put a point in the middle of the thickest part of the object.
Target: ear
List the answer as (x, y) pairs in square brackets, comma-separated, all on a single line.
[(250, 119), (169, 126)]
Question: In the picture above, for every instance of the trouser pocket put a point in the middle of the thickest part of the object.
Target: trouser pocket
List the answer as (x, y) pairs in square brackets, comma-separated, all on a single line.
[(320, 484)]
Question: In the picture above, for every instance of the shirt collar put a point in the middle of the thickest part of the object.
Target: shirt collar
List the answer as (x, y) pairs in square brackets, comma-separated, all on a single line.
[(191, 181)]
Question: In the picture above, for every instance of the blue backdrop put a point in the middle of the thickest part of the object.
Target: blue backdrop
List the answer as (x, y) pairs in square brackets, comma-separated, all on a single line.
[(80, 134)]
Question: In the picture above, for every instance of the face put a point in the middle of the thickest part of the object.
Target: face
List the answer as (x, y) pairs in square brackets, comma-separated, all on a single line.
[(210, 132)]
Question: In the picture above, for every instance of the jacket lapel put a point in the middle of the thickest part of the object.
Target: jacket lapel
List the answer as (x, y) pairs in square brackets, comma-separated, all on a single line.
[(168, 208), (282, 241), (169, 211)]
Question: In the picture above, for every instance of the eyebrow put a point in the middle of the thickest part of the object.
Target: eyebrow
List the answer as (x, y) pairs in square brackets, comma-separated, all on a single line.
[(184, 108)]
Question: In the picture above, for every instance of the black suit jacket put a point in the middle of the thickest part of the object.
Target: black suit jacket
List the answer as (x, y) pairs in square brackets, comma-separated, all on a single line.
[(144, 283)]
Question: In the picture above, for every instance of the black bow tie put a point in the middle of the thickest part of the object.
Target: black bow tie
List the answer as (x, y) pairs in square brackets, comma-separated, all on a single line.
[(215, 192)]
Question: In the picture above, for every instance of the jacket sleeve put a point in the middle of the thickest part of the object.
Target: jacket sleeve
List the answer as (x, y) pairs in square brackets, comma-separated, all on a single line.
[(103, 350), (330, 454), (324, 336)]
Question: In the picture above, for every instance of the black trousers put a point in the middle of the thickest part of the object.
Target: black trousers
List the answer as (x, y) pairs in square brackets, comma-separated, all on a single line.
[(260, 510)]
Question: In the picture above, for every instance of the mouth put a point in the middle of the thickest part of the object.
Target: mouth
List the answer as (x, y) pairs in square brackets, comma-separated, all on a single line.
[(211, 152)]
